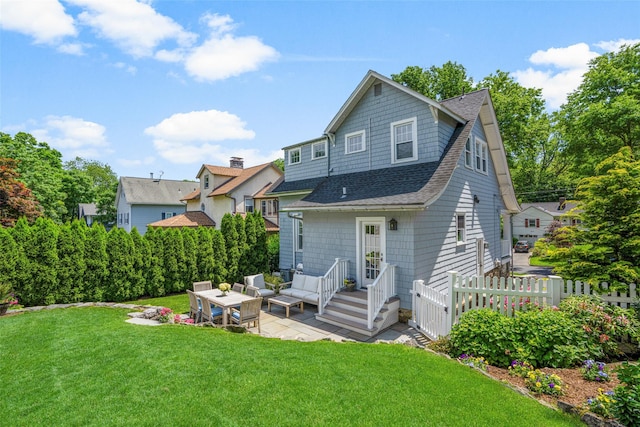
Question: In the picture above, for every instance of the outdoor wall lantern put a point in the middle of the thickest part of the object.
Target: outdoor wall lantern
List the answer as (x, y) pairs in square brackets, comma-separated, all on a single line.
[(393, 224), (475, 199)]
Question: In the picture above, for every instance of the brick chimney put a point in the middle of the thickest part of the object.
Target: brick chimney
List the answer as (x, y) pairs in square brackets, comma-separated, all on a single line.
[(237, 162)]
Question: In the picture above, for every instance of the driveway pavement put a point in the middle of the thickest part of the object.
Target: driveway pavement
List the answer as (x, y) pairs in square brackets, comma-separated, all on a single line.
[(521, 265)]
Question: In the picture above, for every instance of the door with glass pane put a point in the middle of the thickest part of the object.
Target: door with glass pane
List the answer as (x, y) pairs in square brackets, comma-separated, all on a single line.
[(372, 250)]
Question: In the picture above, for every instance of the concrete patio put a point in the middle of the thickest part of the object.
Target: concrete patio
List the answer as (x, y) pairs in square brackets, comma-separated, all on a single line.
[(304, 327)]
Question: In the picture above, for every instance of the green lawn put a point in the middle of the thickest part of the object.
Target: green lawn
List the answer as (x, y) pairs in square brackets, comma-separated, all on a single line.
[(541, 262), (87, 366)]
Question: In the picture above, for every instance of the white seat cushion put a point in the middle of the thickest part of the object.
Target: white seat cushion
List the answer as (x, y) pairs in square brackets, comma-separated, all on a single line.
[(311, 284), (298, 281)]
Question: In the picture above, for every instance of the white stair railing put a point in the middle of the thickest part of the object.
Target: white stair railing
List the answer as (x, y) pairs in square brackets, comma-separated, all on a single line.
[(332, 281), (379, 292)]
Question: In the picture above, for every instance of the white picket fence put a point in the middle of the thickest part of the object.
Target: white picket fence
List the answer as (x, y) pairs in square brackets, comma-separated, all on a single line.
[(434, 313)]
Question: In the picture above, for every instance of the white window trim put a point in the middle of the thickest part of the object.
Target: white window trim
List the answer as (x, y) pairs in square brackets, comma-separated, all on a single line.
[(469, 145), (298, 231), (313, 150), (414, 137), (299, 156), (349, 135), (483, 155), (464, 230)]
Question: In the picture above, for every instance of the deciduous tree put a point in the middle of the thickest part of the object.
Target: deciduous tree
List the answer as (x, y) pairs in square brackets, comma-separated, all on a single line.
[(16, 200)]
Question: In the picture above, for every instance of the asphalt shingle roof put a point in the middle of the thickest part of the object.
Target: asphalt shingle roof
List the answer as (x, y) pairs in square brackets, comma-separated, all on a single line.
[(187, 219), (147, 191)]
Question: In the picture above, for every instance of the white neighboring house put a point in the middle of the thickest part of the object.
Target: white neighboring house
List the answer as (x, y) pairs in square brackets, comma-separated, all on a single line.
[(532, 223), (141, 201), (234, 189)]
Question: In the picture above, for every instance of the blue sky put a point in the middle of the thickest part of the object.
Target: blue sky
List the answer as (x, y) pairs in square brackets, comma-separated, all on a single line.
[(151, 86)]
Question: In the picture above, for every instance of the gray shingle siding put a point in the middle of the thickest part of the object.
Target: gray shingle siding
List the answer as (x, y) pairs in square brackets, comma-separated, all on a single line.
[(307, 168), (141, 215)]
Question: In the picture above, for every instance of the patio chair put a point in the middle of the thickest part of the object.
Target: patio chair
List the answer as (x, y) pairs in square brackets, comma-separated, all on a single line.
[(238, 287), (202, 286), (211, 313), (195, 307), (265, 290), (249, 312), (252, 291)]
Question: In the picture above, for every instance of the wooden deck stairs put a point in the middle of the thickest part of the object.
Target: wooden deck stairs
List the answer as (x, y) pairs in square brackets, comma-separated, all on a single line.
[(349, 311)]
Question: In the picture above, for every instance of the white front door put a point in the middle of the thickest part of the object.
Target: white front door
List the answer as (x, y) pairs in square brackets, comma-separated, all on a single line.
[(371, 248)]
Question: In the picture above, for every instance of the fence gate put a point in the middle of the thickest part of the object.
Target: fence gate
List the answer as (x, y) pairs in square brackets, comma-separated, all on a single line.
[(429, 311)]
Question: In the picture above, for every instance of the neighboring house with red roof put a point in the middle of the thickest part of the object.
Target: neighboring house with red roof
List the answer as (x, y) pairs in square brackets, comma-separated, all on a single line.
[(141, 201), (398, 180), (232, 189)]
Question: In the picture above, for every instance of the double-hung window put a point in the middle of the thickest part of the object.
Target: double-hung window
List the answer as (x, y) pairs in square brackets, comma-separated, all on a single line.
[(248, 204), (354, 142), (294, 156), (468, 154), (404, 140), (319, 150), (461, 228), (481, 155)]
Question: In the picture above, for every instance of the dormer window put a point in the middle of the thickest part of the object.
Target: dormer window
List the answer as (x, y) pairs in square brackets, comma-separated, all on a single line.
[(319, 150), (294, 156), (354, 142)]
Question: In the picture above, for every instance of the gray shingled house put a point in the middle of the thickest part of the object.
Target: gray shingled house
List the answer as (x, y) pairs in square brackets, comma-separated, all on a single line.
[(398, 188), (140, 201)]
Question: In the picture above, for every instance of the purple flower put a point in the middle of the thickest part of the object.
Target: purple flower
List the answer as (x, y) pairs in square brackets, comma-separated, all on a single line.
[(551, 385)]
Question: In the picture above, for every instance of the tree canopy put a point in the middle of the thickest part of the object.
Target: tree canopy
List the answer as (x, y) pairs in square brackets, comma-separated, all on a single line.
[(16, 200)]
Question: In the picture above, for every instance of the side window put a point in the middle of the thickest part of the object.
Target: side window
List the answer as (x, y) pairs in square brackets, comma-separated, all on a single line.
[(404, 141), (461, 228), (468, 154), (354, 142), (298, 231), (206, 181), (319, 150), (248, 204), (294, 156), (481, 155)]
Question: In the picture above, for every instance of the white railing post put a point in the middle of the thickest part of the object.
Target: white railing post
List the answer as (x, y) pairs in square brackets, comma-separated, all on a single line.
[(451, 302)]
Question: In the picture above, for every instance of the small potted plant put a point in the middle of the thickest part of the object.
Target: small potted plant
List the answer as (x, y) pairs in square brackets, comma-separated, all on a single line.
[(7, 298), (224, 288), (350, 284)]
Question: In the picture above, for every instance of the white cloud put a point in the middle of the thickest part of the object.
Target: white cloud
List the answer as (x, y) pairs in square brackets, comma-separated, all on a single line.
[(128, 68), (44, 20), (613, 45), (187, 137), (136, 162), (134, 26), (72, 48), (559, 71), (73, 136), (224, 55)]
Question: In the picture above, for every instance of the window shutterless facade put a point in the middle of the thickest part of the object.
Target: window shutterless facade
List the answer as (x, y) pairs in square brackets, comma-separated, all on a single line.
[(319, 150), (468, 154), (354, 142), (404, 140), (461, 228), (294, 156), (269, 207), (481, 156), (248, 204), (298, 230)]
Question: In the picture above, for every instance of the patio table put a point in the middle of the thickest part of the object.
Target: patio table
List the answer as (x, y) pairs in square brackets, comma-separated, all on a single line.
[(232, 299)]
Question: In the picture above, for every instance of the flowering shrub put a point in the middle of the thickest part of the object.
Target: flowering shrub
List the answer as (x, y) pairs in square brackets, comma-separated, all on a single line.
[(520, 369), (542, 383), (602, 404), (474, 362), (605, 324), (177, 319), (627, 395), (224, 287), (594, 371), (166, 315)]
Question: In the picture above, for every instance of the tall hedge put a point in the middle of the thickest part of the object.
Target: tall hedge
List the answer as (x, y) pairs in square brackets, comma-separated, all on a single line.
[(47, 263), (71, 263)]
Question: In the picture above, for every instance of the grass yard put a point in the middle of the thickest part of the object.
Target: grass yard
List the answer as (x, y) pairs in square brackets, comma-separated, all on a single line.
[(541, 262), (87, 366)]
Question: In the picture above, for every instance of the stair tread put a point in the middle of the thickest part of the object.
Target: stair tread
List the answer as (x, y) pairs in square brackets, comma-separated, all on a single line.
[(348, 312), (352, 323)]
